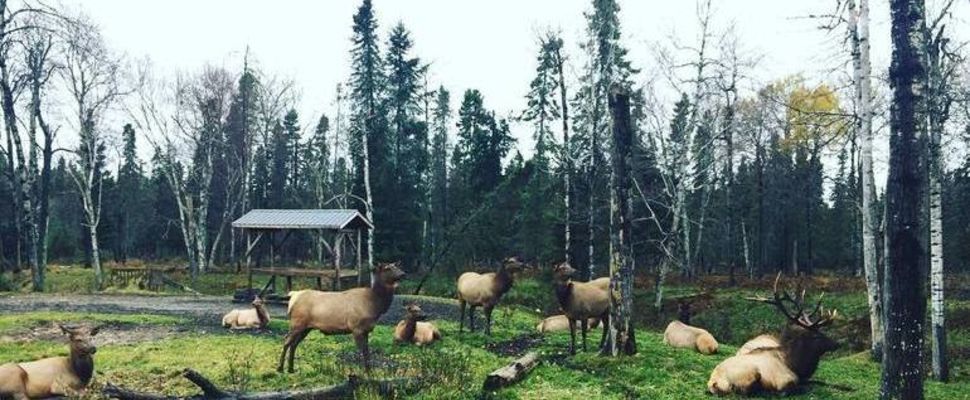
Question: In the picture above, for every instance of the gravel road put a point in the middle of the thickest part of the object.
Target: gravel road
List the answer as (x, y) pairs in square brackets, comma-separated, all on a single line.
[(204, 309)]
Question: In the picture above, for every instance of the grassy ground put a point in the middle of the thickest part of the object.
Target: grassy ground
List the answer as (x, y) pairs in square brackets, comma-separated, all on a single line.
[(457, 366)]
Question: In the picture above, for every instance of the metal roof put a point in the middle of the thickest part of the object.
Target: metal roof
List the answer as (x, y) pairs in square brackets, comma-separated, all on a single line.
[(303, 219)]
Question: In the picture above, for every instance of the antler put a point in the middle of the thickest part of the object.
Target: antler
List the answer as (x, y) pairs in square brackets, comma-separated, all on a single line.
[(799, 316)]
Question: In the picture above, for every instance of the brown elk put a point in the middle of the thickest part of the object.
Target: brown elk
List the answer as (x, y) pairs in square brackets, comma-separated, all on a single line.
[(354, 311), (55, 376), (413, 329), (253, 318), (580, 301), (485, 290), (783, 367)]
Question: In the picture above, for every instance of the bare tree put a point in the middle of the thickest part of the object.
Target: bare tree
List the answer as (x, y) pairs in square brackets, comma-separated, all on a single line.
[(559, 60), (93, 78), (25, 31), (183, 121), (678, 158), (40, 69)]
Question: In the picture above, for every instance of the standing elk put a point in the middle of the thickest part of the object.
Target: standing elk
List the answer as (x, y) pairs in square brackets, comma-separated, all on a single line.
[(413, 329), (783, 367), (485, 290), (581, 301), (55, 376), (354, 311), (253, 318)]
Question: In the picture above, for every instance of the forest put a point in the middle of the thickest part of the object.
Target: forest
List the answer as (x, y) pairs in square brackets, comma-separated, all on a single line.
[(684, 176)]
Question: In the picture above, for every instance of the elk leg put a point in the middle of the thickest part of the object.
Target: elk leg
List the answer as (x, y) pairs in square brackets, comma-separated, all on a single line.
[(605, 321), (488, 319), (471, 319), (361, 340), (572, 336), (584, 326), (286, 346), (298, 337), (461, 320)]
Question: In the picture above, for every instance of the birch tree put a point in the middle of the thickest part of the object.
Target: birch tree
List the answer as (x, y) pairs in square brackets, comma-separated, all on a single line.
[(93, 76), (861, 68), (941, 61)]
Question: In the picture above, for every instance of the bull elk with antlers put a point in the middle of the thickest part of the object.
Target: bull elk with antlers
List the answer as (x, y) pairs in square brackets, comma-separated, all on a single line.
[(786, 365)]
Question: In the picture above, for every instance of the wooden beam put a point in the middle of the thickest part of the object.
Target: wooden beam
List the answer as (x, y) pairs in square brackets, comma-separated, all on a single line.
[(511, 373)]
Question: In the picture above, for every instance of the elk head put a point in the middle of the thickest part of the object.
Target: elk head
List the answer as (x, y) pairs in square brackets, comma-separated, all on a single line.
[(82, 339), (414, 312), (513, 265), (389, 275), (563, 272), (802, 341)]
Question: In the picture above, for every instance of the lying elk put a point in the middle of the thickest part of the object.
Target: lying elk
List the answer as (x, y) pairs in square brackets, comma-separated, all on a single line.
[(354, 311), (581, 301), (679, 334), (783, 367), (253, 318), (55, 376), (560, 323), (413, 329), (485, 290)]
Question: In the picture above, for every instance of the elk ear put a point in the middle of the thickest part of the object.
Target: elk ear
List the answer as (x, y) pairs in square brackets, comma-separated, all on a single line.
[(95, 330)]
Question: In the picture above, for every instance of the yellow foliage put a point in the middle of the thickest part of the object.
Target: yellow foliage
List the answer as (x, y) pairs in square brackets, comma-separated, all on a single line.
[(813, 115)]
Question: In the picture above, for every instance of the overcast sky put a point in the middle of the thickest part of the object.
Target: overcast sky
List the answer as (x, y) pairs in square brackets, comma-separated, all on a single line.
[(487, 45)]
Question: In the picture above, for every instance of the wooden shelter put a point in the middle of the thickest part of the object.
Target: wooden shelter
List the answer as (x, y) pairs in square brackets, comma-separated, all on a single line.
[(343, 223)]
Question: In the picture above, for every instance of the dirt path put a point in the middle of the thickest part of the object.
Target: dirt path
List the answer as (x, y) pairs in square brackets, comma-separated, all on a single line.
[(206, 310)]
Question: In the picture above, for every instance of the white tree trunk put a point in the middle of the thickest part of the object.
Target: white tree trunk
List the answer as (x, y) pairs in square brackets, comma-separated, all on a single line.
[(747, 251), (859, 26), (95, 255), (369, 207), (936, 267)]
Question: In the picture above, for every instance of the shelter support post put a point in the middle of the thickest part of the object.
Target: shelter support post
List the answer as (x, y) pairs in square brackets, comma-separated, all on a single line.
[(360, 266)]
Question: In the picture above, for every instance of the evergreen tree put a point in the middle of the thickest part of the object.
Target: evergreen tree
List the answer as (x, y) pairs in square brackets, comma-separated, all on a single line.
[(130, 182), (439, 204), (483, 142), (402, 210), (537, 214)]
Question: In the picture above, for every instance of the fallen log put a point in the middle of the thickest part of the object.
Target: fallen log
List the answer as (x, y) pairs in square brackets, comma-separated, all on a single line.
[(210, 391), (511, 373)]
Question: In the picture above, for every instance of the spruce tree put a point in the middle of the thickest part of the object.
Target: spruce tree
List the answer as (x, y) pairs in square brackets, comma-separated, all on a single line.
[(130, 177), (402, 212)]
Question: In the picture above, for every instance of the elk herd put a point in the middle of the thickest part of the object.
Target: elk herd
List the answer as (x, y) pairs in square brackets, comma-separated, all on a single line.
[(766, 363)]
